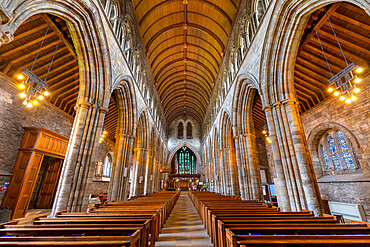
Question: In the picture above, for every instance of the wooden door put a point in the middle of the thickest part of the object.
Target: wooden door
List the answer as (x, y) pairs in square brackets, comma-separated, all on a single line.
[(46, 196), (27, 185)]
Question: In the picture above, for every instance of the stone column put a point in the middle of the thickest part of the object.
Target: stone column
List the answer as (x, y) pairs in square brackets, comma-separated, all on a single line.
[(250, 140), (141, 169), (84, 137), (297, 186), (149, 174), (118, 186), (233, 172), (245, 168), (223, 173), (240, 168)]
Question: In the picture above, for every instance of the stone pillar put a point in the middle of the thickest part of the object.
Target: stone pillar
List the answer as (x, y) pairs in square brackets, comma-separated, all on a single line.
[(297, 186), (119, 183), (141, 170), (220, 182), (251, 148), (149, 174), (84, 137), (245, 168), (240, 168), (223, 173), (233, 172)]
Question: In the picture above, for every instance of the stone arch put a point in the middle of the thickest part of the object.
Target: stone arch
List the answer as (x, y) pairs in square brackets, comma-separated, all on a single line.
[(228, 154), (195, 151), (126, 102), (319, 131), (94, 64), (246, 87), (282, 43)]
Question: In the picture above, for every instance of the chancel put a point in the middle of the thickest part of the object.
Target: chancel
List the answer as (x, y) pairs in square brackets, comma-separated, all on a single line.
[(184, 123)]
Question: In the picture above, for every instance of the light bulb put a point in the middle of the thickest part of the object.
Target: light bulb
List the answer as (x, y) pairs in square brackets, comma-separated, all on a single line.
[(336, 93), (23, 95), (330, 89), (268, 138), (104, 132), (35, 102), (25, 102), (101, 139), (46, 93), (20, 77), (264, 132), (353, 98), (348, 100), (357, 80), (356, 90), (22, 86), (342, 98), (359, 70), (269, 141), (41, 97), (29, 104), (103, 135)]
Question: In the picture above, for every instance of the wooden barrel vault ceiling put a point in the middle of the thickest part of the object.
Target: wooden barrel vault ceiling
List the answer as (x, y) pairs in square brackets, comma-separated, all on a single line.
[(184, 41)]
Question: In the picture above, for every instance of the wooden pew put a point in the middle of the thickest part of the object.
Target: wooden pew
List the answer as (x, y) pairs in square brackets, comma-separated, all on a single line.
[(96, 241), (237, 225), (295, 240)]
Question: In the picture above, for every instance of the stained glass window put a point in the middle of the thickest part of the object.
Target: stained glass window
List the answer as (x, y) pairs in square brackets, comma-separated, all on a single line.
[(326, 158), (345, 150), (334, 152), (186, 161)]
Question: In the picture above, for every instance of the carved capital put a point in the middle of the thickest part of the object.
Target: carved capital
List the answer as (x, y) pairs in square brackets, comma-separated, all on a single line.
[(6, 37)]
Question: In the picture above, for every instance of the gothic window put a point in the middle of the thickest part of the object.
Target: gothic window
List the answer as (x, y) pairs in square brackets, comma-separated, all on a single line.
[(336, 152), (180, 130), (107, 167), (186, 161), (189, 131), (345, 150)]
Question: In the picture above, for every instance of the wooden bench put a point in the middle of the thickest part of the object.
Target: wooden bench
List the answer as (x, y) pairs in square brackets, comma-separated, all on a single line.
[(96, 241)]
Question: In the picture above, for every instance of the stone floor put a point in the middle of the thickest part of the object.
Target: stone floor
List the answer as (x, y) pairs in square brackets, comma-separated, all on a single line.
[(184, 226)]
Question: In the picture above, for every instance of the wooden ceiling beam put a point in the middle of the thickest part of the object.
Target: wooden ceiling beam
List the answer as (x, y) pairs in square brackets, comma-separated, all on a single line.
[(318, 25), (353, 46), (351, 21), (27, 44), (60, 34)]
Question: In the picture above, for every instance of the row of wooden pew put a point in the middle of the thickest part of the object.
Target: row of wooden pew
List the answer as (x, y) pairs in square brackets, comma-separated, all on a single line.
[(232, 222), (134, 223)]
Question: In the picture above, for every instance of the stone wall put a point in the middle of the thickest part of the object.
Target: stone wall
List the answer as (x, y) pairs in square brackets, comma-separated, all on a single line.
[(15, 116), (349, 188)]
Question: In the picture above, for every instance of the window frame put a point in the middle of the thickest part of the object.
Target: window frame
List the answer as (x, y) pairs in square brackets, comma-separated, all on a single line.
[(323, 143)]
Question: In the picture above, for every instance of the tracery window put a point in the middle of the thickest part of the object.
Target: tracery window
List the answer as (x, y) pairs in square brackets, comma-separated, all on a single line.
[(186, 161), (180, 130), (337, 153)]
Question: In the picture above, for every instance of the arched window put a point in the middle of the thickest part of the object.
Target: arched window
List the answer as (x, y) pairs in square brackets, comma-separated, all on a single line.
[(189, 131), (107, 167), (337, 153), (186, 160), (180, 130)]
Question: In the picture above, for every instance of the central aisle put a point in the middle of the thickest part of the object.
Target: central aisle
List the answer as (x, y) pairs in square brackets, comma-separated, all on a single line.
[(184, 226)]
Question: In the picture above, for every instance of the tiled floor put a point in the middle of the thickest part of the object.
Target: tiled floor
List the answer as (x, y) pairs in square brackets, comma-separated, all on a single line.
[(184, 226)]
